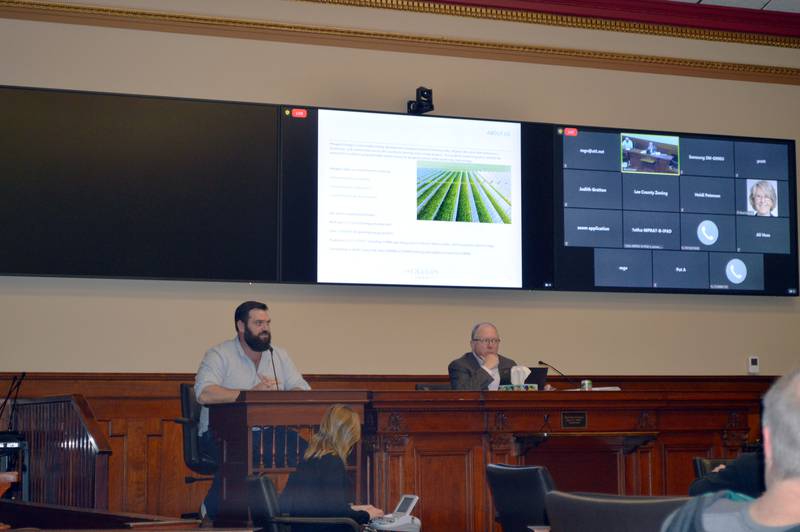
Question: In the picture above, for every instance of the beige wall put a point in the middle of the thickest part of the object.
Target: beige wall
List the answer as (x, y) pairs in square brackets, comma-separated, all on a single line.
[(104, 325)]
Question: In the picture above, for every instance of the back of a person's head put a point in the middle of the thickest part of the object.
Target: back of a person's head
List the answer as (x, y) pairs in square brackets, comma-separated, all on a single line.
[(339, 431), (782, 418)]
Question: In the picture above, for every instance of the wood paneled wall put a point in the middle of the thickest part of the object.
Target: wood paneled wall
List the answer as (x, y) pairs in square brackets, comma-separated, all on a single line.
[(146, 470)]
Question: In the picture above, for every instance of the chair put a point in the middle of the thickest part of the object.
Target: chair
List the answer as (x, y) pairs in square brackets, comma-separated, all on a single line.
[(198, 462), (704, 466), (265, 511), (570, 512), (432, 386), (518, 494)]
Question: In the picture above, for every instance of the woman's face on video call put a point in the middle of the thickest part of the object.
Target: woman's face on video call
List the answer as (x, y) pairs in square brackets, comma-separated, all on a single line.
[(761, 201)]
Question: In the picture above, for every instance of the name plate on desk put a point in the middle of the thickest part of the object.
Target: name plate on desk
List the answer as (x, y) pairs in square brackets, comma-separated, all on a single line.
[(574, 420)]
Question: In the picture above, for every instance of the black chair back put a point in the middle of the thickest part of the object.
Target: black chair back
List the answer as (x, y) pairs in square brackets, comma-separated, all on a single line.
[(266, 514), (570, 512), (704, 466), (190, 411), (518, 494), (264, 506)]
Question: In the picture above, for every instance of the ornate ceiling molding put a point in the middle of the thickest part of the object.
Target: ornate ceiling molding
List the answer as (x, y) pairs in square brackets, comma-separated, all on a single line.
[(573, 21), (409, 43)]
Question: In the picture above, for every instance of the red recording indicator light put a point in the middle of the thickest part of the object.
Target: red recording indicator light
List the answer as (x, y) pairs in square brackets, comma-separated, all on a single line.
[(571, 131), (299, 113)]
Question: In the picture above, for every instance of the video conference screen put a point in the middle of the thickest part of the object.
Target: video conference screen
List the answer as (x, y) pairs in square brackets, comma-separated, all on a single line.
[(673, 212), (411, 200)]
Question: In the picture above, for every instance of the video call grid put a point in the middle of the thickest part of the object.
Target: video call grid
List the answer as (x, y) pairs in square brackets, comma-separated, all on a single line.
[(658, 261)]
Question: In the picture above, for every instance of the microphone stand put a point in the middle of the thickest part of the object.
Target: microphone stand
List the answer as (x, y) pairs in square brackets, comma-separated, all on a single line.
[(8, 396), (14, 404), (274, 373), (570, 379)]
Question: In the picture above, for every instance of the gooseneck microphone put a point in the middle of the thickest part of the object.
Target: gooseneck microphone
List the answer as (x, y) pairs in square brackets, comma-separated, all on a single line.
[(274, 373), (570, 379)]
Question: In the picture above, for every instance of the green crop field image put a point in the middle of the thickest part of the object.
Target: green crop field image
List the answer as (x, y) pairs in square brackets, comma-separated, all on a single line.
[(456, 192)]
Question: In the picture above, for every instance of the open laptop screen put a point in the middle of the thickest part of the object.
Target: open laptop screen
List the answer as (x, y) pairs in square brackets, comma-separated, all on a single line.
[(538, 376), (405, 505)]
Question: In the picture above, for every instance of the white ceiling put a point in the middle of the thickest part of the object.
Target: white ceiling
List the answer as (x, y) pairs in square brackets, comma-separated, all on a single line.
[(791, 6)]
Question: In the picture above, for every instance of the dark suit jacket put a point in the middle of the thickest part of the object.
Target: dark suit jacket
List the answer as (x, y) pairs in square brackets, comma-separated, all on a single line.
[(467, 374), (744, 475)]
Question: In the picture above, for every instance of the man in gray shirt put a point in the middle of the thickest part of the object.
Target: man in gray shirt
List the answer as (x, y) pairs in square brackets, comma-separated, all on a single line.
[(248, 361), (778, 509)]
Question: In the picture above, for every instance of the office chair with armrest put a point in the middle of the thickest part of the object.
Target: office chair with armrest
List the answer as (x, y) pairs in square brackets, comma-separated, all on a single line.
[(704, 466), (608, 513), (196, 461), (265, 510), (518, 494)]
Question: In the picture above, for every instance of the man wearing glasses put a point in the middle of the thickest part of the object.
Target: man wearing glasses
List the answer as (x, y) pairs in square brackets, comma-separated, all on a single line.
[(482, 368)]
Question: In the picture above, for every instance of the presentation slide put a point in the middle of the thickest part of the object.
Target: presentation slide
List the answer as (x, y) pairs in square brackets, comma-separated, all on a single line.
[(412, 200)]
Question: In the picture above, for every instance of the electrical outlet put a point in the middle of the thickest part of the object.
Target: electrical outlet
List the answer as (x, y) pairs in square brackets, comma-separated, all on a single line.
[(752, 365)]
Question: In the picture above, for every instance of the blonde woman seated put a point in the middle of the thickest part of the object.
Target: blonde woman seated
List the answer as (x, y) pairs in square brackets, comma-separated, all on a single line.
[(763, 198), (320, 486)]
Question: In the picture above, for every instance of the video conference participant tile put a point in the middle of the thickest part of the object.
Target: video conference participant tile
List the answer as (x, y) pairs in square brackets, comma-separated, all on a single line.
[(706, 157), (651, 230), (704, 232), (680, 269), (592, 228), (644, 192), (748, 189), (592, 150), (757, 234), (707, 194), (761, 159), (626, 268), (736, 271), (592, 189)]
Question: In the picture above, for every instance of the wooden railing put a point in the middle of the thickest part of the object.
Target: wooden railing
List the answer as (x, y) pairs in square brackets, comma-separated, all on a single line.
[(68, 452)]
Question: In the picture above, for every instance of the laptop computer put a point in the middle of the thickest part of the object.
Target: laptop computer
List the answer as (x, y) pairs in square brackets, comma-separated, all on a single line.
[(538, 376), (400, 519)]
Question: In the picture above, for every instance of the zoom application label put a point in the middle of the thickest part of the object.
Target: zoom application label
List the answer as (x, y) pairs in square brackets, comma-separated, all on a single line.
[(592, 228)]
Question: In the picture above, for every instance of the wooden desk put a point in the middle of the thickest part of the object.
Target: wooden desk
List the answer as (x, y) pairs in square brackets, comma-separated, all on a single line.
[(437, 444), (642, 161)]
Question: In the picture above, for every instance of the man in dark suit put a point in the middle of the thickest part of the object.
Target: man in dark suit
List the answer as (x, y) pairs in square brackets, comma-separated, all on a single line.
[(482, 368)]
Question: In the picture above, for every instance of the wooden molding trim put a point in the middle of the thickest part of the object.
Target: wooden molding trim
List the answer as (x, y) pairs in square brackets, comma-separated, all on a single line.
[(643, 17), (409, 43), (161, 386)]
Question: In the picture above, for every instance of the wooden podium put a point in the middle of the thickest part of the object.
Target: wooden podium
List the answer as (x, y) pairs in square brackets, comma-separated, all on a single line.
[(288, 412)]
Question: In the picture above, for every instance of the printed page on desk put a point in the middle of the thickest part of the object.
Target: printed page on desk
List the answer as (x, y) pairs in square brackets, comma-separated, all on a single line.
[(412, 200)]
